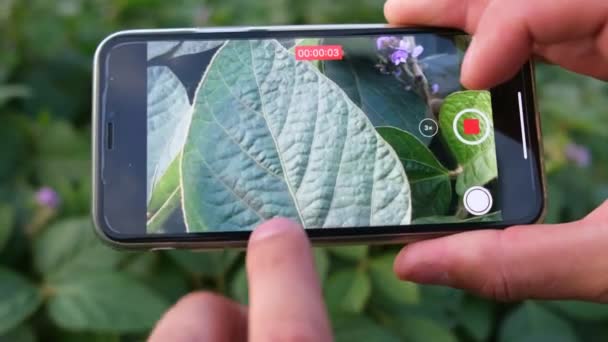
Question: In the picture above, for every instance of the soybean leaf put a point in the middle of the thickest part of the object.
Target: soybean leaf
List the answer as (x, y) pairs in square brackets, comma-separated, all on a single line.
[(358, 328), (159, 48), (418, 329), (165, 187), (258, 148), (429, 180), (210, 264), (477, 317), (351, 253), (581, 310), (7, 216), (382, 97), (388, 286), (347, 291), (159, 220), (69, 247), (104, 302), (18, 301), (169, 114), (176, 49), (532, 322), (478, 162), (321, 263), (190, 47), (491, 217)]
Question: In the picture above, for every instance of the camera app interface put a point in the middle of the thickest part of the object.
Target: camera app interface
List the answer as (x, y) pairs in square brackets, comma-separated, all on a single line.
[(335, 132)]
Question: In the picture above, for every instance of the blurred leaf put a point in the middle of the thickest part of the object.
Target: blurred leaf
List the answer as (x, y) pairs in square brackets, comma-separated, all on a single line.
[(13, 145), (22, 333), (18, 301), (357, 328), (382, 97), (531, 322), (347, 291), (429, 180), (168, 281), (386, 283), (209, 264), (415, 329), (478, 162), (7, 218), (139, 264), (9, 92), (238, 286), (351, 253), (321, 263), (581, 310), (104, 302), (70, 247), (477, 318), (168, 120)]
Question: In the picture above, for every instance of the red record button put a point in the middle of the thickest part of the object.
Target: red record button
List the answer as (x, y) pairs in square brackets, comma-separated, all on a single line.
[(319, 53)]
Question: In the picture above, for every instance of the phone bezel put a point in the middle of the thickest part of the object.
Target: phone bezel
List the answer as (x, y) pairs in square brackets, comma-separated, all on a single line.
[(524, 82)]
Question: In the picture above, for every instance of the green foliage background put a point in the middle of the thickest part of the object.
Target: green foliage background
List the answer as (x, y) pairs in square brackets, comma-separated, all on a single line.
[(57, 282)]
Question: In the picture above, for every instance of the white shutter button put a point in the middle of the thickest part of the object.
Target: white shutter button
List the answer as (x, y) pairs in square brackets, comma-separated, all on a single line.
[(478, 201)]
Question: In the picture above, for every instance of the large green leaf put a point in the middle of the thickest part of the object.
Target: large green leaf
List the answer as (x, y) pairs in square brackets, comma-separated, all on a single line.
[(18, 299), (274, 137), (478, 162), (382, 97), (387, 285), (532, 320), (169, 114), (104, 302), (69, 247), (348, 291), (429, 180)]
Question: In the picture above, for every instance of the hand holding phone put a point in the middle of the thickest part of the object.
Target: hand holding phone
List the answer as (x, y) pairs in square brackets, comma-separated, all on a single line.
[(359, 133)]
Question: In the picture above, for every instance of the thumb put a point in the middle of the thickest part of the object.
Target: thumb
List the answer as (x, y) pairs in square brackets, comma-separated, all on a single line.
[(565, 261)]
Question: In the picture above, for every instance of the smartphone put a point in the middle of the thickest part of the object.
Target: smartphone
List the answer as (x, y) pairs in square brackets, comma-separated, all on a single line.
[(361, 133)]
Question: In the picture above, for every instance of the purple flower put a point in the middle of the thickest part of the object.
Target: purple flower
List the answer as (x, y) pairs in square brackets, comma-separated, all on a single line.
[(578, 154), (435, 88), (399, 57), (408, 46), (47, 197), (418, 50), (386, 42)]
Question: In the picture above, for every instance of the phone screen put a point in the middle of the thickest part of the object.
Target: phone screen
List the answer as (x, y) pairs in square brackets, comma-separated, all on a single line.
[(333, 132)]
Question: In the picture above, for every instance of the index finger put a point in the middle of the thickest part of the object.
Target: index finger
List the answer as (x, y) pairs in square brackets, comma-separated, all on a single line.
[(285, 297)]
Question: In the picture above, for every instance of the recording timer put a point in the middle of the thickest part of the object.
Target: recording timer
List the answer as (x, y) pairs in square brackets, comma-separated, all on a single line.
[(319, 53)]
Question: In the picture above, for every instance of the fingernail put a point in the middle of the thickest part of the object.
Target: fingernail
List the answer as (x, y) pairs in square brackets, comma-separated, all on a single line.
[(274, 227)]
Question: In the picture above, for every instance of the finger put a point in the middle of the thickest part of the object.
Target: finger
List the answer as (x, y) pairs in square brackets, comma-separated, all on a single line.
[(202, 316), (507, 31), (566, 261), (284, 292), (461, 14)]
